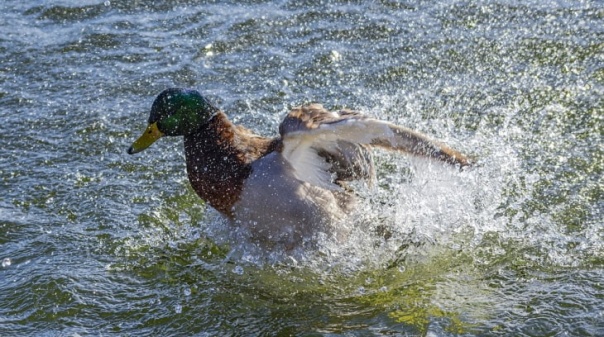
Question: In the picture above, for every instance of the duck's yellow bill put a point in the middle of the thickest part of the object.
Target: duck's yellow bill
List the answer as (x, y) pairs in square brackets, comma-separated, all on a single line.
[(149, 137)]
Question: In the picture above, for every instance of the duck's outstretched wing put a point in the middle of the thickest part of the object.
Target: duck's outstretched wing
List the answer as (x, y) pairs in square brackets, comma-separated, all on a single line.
[(311, 135)]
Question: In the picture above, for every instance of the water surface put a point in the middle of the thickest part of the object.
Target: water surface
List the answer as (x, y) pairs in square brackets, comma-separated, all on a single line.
[(96, 242)]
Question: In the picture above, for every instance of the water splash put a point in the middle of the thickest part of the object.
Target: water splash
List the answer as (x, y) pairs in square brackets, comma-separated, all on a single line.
[(429, 244), (418, 206)]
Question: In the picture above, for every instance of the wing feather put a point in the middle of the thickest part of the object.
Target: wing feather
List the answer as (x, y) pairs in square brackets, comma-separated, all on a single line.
[(310, 130)]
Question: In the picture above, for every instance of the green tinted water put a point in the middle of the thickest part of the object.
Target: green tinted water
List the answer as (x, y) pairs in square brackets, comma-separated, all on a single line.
[(96, 242)]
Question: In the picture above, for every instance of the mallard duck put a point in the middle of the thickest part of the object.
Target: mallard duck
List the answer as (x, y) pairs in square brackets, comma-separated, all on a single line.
[(285, 189)]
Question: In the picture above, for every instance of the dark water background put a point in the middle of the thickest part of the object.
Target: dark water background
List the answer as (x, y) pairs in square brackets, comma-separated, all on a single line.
[(95, 242)]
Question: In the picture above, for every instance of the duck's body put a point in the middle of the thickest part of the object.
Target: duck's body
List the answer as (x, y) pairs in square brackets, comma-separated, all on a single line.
[(219, 158), (286, 189)]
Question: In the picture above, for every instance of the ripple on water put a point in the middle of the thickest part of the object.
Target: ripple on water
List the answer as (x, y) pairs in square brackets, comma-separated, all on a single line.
[(100, 242)]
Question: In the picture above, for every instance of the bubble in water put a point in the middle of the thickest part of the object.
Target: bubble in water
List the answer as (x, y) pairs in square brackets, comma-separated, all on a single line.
[(187, 291), (178, 308), (6, 262), (107, 3)]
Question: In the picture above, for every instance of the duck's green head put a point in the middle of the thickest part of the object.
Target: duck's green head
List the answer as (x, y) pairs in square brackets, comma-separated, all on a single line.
[(175, 112)]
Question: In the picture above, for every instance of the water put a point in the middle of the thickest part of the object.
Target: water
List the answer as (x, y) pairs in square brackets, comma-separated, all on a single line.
[(96, 242)]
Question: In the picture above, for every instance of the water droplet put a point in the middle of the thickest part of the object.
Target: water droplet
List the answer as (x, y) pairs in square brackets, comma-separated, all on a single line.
[(6, 262), (238, 270), (335, 56)]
